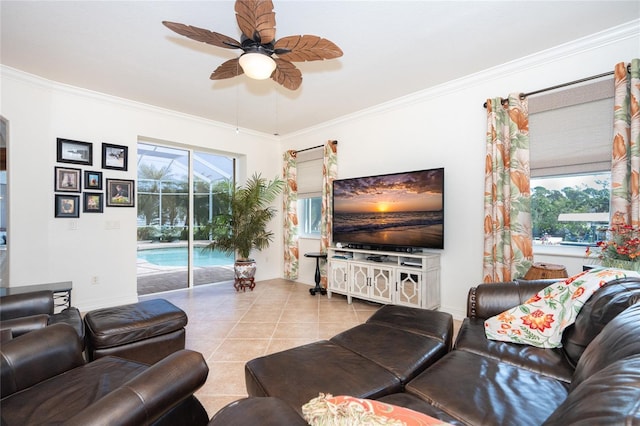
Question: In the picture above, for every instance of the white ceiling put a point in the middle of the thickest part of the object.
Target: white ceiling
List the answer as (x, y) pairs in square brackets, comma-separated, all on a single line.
[(391, 49)]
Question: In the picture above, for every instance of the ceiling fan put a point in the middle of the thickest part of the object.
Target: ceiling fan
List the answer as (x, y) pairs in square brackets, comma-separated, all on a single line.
[(263, 56)]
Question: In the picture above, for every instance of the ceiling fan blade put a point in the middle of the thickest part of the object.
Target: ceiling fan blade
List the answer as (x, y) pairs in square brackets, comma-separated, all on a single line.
[(287, 74), (306, 48), (205, 36), (228, 69), (256, 19)]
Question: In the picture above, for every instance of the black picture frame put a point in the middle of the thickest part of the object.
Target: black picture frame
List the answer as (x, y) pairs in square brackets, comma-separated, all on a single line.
[(114, 157), (120, 193), (92, 202), (67, 179), (74, 152), (67, 205), (92, 180)]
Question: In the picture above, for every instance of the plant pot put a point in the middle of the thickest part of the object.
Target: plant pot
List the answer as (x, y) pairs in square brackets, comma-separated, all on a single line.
[(245, 271), (628, 265)]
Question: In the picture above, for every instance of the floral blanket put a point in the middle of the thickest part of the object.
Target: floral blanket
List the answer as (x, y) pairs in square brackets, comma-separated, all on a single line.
[(541, 320)]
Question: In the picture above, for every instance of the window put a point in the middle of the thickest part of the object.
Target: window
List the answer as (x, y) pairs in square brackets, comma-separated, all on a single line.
[(570, 147), (309, 165), (570, 209), (309, 210)]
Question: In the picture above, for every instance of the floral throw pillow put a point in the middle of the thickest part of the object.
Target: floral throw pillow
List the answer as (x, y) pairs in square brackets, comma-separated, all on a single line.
[(327, 410), (541, 320)]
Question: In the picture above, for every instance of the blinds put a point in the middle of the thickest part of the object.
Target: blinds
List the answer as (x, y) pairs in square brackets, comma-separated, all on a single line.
[(570, 131), (309, 164)]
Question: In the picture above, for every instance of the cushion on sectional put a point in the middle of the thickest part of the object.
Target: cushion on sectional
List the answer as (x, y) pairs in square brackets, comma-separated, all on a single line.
[(407, 400), (479, 390), (435, 324), (550, 362), (404, 353), (346, 410), (601, 308), (619, 339), (609, 397), (296, 375)]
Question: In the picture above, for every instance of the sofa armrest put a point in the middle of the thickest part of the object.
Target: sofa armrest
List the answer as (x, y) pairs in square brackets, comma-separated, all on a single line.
[(26, 304), (151, 394), (37, 356), (23, 325), (489, 299)]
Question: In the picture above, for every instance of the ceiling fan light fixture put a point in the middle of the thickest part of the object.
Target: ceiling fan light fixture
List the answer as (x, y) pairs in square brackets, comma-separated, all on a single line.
[(257, 65)]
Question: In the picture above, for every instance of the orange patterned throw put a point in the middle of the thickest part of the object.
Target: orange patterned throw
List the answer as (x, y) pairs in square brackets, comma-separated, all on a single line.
[(327, 410), (541, 320)]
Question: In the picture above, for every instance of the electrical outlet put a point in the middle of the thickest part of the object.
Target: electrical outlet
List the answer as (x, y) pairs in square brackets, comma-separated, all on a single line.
[(95, 280)]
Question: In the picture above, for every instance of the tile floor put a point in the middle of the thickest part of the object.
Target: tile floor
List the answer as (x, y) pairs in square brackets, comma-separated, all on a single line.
[(230, 328)]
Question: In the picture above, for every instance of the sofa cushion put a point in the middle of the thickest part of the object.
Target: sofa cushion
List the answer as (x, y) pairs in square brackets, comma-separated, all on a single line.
[(344, 410), (434, 324), (618, 340), (477, 390), (596, 313), (74, 390), (549, 362), (609, 397), (296, 375), (411, 353)]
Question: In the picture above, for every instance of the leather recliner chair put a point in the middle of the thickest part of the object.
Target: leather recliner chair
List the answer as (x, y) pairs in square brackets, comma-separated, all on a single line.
[(22, 313)]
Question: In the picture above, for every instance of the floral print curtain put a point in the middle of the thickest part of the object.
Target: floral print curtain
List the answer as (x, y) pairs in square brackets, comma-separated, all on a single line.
[(329, 173), (625, 166), (290, 210), (508, 248)]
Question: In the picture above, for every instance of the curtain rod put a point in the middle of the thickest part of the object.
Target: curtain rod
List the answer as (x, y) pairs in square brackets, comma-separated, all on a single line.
[(582, 80), (314, 147)]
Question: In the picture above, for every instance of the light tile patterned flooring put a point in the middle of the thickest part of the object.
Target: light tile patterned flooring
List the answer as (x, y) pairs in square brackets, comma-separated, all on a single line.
[(230, 328)]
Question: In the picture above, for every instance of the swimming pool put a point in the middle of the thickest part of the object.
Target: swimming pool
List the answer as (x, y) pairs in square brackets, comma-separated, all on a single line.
[(177, 256)]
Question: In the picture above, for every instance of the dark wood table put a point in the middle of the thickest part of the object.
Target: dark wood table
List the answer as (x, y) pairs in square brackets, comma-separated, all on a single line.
[(317, 288)]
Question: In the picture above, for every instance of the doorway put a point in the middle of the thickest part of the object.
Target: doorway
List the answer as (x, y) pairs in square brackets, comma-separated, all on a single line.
[(176, 201)]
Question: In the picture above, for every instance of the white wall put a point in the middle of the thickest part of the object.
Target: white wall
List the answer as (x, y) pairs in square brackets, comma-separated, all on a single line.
[(445, 127), (440, 127), (45, 249)]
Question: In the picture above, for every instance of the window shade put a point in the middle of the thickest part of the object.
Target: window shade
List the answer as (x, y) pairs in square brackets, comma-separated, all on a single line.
[(309, 164), (570, 131)]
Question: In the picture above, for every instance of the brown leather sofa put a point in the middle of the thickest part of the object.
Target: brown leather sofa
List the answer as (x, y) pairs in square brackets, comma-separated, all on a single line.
[(22, 313), (593, 379), (45, 380)]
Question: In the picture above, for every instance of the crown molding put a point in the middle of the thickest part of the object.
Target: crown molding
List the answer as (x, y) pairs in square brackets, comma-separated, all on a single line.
[(612, 35), (45, 84)]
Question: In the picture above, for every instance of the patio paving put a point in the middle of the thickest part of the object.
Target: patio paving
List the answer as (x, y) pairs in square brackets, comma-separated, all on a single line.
[(154, 279)]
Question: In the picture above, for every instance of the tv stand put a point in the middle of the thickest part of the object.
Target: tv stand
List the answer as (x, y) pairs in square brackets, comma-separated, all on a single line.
[(390, 277)]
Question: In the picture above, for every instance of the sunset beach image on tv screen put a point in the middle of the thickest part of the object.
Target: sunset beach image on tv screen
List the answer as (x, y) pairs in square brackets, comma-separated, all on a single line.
[(400, 209)]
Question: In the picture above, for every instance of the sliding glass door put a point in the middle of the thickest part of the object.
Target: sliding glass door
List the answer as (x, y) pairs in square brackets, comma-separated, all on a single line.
[(176, 200)]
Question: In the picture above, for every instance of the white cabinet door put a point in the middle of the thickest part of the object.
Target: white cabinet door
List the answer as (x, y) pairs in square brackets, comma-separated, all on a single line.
[(339, 276), (359, 280), (409, 288), (381, 284), (372, 282)]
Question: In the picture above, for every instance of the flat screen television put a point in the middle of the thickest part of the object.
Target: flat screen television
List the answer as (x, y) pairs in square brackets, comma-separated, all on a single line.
[(391, 211)]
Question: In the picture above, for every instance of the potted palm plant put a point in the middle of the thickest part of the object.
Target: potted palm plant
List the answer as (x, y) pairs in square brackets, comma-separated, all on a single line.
[(241, 224)]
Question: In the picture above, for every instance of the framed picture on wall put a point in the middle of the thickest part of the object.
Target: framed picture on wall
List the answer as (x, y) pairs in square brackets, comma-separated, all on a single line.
[(74, 152), (93, 202), (67, 205), (67, 179), (120, 193), (92, 180), (114, 156)]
